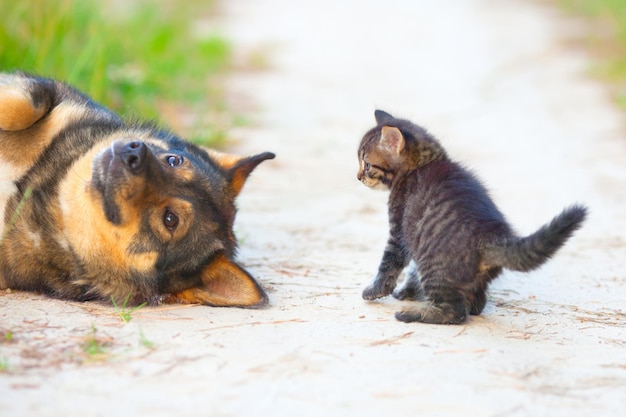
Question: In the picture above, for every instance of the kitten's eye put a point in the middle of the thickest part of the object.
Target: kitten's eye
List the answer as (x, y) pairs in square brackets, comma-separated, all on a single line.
[(170, 220), (367, 166), (174, 160)]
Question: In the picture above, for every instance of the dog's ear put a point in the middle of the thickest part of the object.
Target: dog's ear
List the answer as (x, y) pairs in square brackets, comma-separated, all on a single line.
[(224, 284), (242, 169), (238, 168)]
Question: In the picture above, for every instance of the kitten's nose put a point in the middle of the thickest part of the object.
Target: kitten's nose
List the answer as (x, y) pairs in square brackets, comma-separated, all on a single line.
[(359, 175)]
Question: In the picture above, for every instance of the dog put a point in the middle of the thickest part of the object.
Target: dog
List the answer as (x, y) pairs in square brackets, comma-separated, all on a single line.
[(96, 208)]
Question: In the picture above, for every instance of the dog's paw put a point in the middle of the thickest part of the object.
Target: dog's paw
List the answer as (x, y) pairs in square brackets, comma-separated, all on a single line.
[(17, 111)]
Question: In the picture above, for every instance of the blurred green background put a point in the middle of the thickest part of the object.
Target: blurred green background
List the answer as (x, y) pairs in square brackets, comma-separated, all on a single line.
[(605, 38), (151, 60), (161, 60)]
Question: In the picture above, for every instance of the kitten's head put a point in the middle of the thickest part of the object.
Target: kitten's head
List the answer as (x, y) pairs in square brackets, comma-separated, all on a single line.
[(392, 147)]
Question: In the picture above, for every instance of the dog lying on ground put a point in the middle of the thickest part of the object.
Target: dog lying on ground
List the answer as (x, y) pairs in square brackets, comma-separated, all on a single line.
[(98, 209)]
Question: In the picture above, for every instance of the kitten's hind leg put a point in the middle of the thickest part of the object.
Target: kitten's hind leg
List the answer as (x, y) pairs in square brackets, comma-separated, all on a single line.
[(429, 312), (410, 289), (447, 306), (480, 293), (480, 299)]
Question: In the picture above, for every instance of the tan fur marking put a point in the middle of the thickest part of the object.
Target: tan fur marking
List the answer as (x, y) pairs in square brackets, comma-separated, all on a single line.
[(238, 180), (186, 172), (224, 160), (482, 267), (183, 209), (18, 111), (23, 147)]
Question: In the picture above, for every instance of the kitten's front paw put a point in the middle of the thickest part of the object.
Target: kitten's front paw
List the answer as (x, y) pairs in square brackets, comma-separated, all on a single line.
[(378, 290)]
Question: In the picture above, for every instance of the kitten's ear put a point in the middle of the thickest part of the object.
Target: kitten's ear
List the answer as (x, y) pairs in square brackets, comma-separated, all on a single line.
[(382, 117), (391, 140), (224, 284), (238, 168)]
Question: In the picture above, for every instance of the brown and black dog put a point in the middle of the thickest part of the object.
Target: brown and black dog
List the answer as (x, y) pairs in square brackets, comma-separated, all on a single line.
[(95, 208)]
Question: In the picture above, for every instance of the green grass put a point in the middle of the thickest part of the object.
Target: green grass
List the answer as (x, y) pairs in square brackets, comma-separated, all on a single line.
[(125, 313), (133, 56), (145, 342), (93, 346), (6, 336), (4, 365), (606, 39)]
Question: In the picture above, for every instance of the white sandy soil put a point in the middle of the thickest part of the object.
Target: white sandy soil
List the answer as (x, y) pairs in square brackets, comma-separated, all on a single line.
[(500, 86)]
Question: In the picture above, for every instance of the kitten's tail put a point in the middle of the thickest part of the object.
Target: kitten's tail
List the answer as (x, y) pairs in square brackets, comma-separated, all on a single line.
[(527, 253)]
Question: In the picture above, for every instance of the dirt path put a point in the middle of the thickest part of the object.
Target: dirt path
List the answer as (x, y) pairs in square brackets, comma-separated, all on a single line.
[(494, 82)]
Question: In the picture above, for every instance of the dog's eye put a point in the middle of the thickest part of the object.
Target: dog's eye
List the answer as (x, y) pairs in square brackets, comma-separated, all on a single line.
[(170, 220), (174, 160)]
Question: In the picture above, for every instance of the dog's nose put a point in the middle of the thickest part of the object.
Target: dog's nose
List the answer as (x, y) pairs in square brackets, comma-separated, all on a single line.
[(133, 155)]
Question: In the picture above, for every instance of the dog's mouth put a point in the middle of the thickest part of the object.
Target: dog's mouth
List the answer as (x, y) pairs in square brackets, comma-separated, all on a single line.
[(115, 171)]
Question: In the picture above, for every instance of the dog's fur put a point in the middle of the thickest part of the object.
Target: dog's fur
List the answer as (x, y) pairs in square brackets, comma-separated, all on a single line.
[(95, 208)]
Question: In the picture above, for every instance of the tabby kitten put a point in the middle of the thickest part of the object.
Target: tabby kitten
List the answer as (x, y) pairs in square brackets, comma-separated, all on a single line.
[(442, 219)]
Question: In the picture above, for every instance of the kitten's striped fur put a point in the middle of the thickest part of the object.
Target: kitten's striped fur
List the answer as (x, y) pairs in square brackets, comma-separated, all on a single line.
[(441, 217)]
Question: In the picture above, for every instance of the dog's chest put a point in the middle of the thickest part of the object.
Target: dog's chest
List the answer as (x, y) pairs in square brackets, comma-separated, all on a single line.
[(8, 174)]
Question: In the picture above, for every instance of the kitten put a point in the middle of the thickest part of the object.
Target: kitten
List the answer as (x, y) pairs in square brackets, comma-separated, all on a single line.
[(442, 219)]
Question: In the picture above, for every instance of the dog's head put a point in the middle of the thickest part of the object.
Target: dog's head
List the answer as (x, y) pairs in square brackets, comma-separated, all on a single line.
[(152, 216)]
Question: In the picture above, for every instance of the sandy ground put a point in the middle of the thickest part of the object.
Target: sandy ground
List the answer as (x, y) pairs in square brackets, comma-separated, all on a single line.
[(495, 81)]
